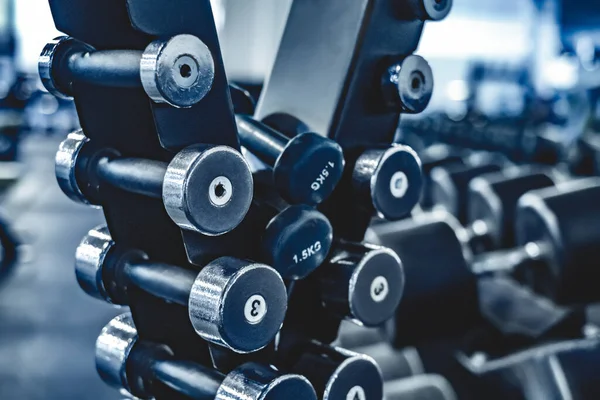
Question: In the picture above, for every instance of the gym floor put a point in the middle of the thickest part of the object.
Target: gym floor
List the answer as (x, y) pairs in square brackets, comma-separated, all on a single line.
[(49, 326)]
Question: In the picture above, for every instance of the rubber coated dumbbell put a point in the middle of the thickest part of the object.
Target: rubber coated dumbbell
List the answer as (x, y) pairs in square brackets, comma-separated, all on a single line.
[(450, 185), (306, 168), (125, 362), (492, 203), (178, 71), (204, 189), (361, 282), (438, 155), (408, 86), (558, 242), (296, 241), (338, 374), (388, 181), (423, 387), (233, 303)]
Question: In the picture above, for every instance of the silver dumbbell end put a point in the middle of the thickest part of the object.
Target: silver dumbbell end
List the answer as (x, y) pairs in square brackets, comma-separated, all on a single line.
[(112, 349), (238, 304), (254, 381), (64, 165), (89, 260), (208, 190), (179, 71)]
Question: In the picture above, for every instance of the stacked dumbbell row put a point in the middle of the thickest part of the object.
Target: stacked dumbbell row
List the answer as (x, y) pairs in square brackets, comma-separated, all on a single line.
[(209, 192)]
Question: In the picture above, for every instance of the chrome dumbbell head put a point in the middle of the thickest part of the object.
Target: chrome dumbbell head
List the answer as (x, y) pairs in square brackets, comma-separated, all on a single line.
[(53, 61), (389, 180), (363, 283), (89, 261), (208, 190), (66, 163), (238, 304), (408, 86), (112, 350), (179, 71), (254, 381)]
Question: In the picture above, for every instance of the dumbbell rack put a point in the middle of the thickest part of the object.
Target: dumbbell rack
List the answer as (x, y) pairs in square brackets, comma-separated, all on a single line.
[(372, 82)]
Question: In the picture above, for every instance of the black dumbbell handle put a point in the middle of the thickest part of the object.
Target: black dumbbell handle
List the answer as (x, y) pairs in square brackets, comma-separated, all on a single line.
[(266, 143), (134, 175), (118, 68), (188, 378), (161, 280)]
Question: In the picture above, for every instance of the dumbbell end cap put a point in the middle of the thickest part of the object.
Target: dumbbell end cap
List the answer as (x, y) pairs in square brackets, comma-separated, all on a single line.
[(208, 190), (89, 260), (65, 166), (50, 62), (179, 71), (112, 349), (238, 304), (256, 381), (308, 169), (436, 10), (295, 230), (415, 84), (357, 377), (376, 287), (396, 183)]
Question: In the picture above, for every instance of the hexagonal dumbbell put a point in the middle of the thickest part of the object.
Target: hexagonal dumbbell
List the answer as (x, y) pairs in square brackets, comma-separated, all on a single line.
[(125, 362), (337, 374), (204, 189), (388, 181), (361, 282), (557, 242), (178, 71), (306, 168), (450, 184), (233, 303), (492, 203)]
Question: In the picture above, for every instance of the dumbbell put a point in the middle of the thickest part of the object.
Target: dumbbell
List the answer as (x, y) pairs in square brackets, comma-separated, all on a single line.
[(449, 185), (337, 373), (233, 303), (387, 181), (407, 86), (438, 155), (178, 71), (557, 241), (492, 201), (204, 189), (306, 168), (422, 387), (295, 241), (144, 368), (555, 255), (361, 282)]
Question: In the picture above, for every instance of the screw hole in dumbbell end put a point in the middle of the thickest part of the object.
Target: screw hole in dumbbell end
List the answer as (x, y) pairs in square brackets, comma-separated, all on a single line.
[(185, 71)]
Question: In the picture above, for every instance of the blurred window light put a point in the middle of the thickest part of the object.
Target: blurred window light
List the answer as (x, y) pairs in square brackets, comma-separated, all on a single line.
[(561, 73), (457, 90)]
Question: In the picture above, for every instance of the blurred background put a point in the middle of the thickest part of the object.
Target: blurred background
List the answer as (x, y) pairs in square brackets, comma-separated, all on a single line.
[(512, 68)]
